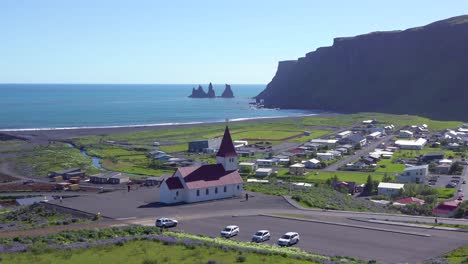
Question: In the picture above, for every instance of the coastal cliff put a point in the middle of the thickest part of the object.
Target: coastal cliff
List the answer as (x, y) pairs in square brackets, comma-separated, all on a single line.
[(200, 93), (421, 71)]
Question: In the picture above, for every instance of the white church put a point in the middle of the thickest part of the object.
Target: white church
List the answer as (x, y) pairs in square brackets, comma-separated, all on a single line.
[(206, 182)]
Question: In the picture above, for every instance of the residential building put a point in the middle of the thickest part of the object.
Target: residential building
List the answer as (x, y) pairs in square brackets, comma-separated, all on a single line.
[(312, 164), (206, 182), (390, 189), (442, 168), (344, 134), (325, 142), (335, 153), (325, 156), (374, 135), (118, 179), (446, 209), (204, 144), (297, 169), (416, 174), (247, 166), (263, 172), (265, 163), (405, 134), (354, 139), (417, 144), (432, 156), (63, 172), (113, 177)]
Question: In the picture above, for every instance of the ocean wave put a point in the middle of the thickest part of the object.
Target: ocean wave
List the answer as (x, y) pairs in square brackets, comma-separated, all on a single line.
[(148, 125)]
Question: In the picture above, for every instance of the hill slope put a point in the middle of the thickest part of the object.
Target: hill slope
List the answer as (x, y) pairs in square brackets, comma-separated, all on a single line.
[(421, 71)]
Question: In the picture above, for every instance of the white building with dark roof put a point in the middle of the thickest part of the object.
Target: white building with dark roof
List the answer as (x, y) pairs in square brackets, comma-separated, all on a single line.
[(206, 182)]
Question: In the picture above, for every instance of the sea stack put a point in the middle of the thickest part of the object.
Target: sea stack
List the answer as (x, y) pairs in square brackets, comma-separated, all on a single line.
[(211, 92), (227, 92), (198, 93)]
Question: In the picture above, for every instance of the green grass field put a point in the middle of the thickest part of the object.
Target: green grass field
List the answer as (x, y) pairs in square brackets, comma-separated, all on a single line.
[(445, 193), (144, 252), (390, 167), (322, 176), (458, 256)]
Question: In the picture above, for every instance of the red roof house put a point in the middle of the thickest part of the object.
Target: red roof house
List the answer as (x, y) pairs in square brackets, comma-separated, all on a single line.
[(206, 182), (446, 209), (410, 200)]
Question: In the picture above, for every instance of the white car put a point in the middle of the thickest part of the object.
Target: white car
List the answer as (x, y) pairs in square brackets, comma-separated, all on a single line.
[(166, 222), (230, 231), (261, 235), (289, 239)]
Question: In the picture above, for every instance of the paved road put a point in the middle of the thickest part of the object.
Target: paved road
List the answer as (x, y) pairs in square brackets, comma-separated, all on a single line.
[(464, 187), (362, 152)]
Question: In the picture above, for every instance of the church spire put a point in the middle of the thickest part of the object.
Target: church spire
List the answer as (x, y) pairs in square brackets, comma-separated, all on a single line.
[(226, 149)]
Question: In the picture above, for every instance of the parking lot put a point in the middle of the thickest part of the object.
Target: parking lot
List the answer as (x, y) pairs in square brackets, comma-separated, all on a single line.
[(335, 240)]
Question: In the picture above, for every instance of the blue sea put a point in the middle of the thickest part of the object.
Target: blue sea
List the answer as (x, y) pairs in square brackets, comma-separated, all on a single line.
[(46, 106)]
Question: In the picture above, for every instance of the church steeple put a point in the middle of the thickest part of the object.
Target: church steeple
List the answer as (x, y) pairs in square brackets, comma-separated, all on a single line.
[(227, 155)]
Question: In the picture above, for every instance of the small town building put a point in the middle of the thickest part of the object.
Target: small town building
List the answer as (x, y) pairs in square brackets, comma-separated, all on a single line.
[(442, 168), (240, 143), (325, 156), (106, 178), (374, 135), (354, 139), (206, 182), (369, 122), (432, 156), (390, 189), (264, 163), (415, 174), (335, 153), (405, 134), (408, 200), (417, 144), (349, 186), (284, 161), (247, 166), (312, 164), (312, 146), (445, 161), (297, 169), (153, 181), (203, 145), (69, 175), (63, 172), (342, 150), (263, 172), (446, 209), (245, 153), (118, 179), (344, 134), (325, 142)]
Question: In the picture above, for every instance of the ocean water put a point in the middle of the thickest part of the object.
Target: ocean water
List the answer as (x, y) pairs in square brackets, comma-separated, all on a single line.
[(40, 106)]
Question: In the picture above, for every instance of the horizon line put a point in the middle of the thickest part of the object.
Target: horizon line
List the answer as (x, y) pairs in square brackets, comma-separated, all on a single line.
[(110, 83)]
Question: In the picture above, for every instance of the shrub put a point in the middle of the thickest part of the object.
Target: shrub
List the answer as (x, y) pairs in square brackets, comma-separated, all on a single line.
[(241, 258), (149, 261)]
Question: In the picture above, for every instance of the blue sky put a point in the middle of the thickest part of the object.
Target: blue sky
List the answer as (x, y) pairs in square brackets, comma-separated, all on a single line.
[(112, 41)]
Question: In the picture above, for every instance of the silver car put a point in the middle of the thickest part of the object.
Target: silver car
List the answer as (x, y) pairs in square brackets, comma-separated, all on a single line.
[(289, 239), (166, 222), (230, 231), (261, 235)]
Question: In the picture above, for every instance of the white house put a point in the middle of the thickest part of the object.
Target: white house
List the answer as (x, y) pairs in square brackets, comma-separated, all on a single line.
[(374, 135), (405, 134), (247, 166), (325, 156), (263, 172), (417, 144), (326, 142), (390, 189), (206, 182), (344, 134), (415, 174), (297, 169), (262, 163), (312, 164)]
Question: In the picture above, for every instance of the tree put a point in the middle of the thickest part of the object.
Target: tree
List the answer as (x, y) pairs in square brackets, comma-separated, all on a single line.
[(387, 178), (456, 168), (369, 186)]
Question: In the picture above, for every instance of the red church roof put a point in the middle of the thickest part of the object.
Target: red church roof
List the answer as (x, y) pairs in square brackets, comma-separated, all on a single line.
[(209, 176), (174, 183), (227, 147)]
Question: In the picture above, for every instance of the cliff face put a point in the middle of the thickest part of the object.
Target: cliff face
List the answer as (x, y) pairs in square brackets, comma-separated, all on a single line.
[(211, 92), (198, 93), (227, 93), (422, 71)]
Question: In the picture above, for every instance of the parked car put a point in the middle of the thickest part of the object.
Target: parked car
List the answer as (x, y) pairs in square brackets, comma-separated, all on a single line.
[(464, 182), (289, 239), (460, 197), (230, 231), (460, 190), (260, 236), (166, 222), (27, 182)]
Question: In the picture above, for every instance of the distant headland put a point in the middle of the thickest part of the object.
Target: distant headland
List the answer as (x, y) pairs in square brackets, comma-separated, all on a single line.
[(200, 93)]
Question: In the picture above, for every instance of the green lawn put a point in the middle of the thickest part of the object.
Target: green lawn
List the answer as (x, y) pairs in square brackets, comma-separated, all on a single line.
[(57, 156), (322, 176), (405, 154), (445, 193), (458, 256), (389, 166)]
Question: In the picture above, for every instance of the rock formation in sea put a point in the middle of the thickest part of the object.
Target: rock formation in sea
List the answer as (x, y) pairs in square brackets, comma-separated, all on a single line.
[(211, 92), (198, 93), (421, 71), (227, 93)]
